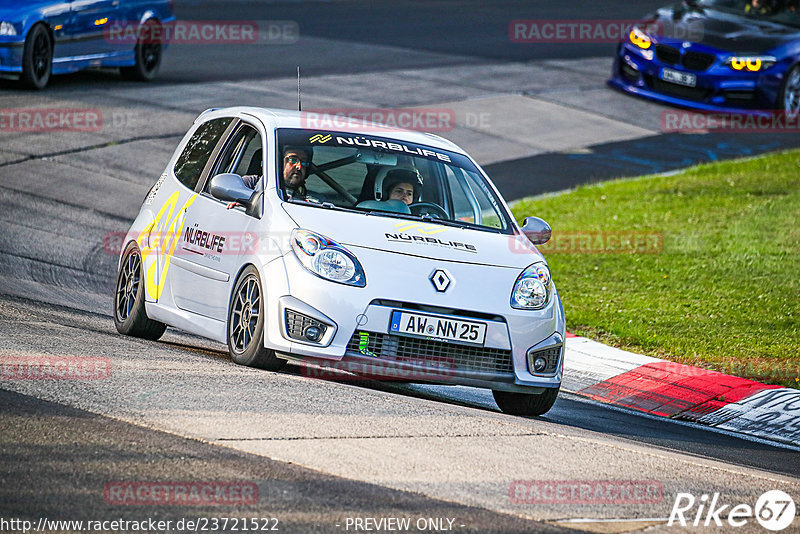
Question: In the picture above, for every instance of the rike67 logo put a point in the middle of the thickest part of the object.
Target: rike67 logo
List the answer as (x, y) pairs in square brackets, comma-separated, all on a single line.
[(774, 510)]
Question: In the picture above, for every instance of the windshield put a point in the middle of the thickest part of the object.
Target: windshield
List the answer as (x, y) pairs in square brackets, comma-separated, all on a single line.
[(386, 177), (780, 11)]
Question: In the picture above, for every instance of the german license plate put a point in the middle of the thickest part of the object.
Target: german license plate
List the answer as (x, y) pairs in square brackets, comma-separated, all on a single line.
[(681, 78), (437, 327)]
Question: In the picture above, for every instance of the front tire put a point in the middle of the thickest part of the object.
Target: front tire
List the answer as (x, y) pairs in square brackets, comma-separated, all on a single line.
[(246, 324), (526, 403), (790, 92), (37, 58), (130, 316), (147, 55)]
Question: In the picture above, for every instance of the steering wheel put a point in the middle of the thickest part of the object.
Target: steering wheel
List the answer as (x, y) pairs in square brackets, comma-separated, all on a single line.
[(420, 208)]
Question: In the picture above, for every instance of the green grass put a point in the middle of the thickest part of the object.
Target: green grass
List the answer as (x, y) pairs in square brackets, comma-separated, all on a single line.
[(723, 291)]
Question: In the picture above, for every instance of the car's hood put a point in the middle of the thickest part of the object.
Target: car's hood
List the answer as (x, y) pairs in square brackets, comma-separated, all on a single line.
[(422, 239), (14, 10), (721, 30)]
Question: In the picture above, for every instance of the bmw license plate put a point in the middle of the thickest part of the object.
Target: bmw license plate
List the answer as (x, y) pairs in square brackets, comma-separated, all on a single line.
[(681, 78), (437, 327)]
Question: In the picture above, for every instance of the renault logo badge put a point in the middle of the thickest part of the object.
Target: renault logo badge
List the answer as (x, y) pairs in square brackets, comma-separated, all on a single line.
[(441, 280)]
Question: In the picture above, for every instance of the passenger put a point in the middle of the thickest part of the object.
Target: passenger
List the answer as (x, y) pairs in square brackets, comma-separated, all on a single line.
[(295, 171), (402, 184)]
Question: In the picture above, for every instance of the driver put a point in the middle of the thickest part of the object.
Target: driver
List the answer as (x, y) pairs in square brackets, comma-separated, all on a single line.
[(402, 184), (295, 170), (296, 160)]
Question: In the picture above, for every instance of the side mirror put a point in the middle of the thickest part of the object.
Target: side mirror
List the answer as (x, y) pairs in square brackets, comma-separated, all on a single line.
[(537, 230), (230, 188)]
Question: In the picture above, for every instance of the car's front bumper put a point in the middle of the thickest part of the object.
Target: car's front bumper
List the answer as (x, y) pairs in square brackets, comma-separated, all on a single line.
[(358, 338), (11, 55), (718, 88)]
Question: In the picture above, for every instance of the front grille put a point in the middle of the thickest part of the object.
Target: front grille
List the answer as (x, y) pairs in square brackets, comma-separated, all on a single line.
[(698, 61), (552, 355), (668, 54), (297, 324), (690, 93), (431, 353)]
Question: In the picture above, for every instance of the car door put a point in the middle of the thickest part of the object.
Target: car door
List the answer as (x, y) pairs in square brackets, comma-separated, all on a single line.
[(215, 240), (169, 200), (88, 28)]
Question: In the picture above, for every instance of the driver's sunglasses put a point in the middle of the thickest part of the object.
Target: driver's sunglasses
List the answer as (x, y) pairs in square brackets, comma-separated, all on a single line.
[(294, 160)]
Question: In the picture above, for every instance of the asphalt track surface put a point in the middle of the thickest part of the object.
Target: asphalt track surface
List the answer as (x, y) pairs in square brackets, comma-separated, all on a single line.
[(319, 451)]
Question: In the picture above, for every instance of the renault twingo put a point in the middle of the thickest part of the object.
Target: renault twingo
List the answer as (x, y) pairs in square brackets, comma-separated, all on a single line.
[(440, 286)]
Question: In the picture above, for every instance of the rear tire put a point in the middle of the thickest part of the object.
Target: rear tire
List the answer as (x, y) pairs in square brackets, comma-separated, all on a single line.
[(789, 100), (246, 324), (130, 317), (37, 58), (526, 403), (147, 55)]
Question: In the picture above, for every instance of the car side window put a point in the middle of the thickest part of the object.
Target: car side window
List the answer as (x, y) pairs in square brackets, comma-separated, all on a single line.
[(195, 155), (243, 156), (251, 161)]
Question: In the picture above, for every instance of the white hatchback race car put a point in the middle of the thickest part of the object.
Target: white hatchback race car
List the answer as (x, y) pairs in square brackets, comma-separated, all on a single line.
[(382, 252)]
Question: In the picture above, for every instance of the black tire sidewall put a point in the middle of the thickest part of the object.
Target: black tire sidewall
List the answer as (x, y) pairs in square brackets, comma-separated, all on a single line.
[(526, 404), (252, 353), (128, 326), (28, 74), (781, 104), (141, 70)]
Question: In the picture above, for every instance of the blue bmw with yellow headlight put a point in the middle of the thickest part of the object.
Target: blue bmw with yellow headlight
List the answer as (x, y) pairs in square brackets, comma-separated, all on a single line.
[(712, 55), (39, 38)]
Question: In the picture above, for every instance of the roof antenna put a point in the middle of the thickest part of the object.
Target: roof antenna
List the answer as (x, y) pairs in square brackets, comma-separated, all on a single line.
[(299, 106)]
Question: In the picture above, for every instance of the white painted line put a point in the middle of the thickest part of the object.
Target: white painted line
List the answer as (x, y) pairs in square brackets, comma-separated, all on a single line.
[(588, 362)]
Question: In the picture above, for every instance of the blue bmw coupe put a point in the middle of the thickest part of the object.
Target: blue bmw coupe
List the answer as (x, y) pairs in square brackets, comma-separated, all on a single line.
[(39, 38), (712, 55)]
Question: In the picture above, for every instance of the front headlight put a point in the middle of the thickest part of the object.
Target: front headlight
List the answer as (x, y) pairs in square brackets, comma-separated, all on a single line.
[(639, 38), (532, 289), (751, 63), (327, 259), (7, 28)]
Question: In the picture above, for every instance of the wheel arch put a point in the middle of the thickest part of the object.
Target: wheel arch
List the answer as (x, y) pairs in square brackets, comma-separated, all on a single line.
[(148, 16), (28, 28)]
